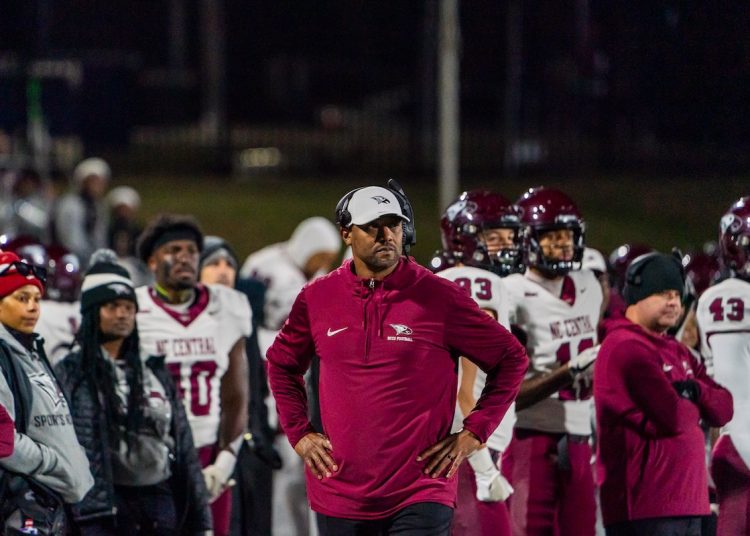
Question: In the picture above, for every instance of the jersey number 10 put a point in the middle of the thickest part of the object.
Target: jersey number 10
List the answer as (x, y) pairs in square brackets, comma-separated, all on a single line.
[(198, 399)]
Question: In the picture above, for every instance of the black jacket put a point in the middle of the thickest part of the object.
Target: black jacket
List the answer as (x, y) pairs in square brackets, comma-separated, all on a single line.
[(187, 483)]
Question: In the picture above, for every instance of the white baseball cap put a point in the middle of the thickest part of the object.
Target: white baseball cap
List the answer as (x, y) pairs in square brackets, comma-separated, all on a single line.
[(370, 203)]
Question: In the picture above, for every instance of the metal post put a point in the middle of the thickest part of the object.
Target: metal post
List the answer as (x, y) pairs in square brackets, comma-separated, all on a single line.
[(513, 85), (213, 120), (449, 142)]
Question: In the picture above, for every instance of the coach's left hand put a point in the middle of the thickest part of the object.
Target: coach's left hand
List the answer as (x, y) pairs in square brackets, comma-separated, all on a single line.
[(444, 457)]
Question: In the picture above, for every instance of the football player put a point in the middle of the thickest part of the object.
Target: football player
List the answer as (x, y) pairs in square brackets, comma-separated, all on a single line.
[(723, 316), (481, 238), (548, 462), (286, 267), (201, 330)]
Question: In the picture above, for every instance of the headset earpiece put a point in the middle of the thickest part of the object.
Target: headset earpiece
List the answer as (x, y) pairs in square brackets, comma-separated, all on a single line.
[(410, 231), (343, 218), (633, 276)]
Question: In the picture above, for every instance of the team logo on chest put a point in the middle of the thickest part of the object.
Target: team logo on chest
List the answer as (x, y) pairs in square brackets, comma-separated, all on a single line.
[(402, 333), (48, 387)]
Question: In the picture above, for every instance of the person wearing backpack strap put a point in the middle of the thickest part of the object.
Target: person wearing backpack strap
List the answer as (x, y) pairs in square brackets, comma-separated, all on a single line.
[(45, 450)]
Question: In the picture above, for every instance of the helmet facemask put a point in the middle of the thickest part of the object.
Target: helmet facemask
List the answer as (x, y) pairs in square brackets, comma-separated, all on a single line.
[(548, 266), (507, 259), (468, 220)]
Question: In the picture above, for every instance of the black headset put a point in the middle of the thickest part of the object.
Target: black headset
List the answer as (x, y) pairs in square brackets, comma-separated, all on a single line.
[(344, 218)]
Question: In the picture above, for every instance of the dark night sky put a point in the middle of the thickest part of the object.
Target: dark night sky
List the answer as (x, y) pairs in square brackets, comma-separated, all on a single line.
[(678, 69)]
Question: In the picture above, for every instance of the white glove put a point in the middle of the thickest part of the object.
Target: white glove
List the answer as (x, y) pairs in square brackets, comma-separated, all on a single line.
[(582, 363), (218, 475), (491, 485), (581, 367)]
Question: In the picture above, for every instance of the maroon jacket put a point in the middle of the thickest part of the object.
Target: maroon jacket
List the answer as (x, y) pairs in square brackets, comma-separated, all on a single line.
[(651, 454), (388, 380)]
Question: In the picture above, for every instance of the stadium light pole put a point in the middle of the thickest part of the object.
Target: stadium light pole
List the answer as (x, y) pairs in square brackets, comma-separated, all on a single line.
[(213, 38), (449, 133), (513, 87)]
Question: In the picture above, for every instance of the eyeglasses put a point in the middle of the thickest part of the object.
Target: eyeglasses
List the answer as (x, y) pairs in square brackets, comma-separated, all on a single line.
[(26, 270)]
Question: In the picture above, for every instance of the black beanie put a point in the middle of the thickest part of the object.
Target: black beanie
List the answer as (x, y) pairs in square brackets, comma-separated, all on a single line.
[(105, 281), (214, 246), (653, 273)]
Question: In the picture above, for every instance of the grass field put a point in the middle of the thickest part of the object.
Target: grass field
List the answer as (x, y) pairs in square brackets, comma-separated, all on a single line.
[(661, 212)]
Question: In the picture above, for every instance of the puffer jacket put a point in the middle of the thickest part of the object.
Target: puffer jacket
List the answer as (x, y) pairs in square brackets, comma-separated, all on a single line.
[(187, 483)]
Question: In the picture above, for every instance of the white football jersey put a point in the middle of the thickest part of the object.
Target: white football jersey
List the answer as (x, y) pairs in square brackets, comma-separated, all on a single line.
[(58, 324), (196, 342), (557, 331), (488, 291), (283, 280), (723, 316)]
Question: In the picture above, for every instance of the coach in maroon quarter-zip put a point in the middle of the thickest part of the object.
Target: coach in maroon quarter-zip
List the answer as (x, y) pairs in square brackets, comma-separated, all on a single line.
[(388, 333)]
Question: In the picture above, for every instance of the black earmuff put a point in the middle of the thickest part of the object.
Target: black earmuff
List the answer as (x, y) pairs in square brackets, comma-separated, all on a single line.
[(410, 231), (343, 218)]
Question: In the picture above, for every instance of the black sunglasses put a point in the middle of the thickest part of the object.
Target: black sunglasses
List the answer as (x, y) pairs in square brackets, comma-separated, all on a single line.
[(26, 270)]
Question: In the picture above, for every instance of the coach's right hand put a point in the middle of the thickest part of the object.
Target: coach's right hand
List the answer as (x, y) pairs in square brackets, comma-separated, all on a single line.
[(315, 449)]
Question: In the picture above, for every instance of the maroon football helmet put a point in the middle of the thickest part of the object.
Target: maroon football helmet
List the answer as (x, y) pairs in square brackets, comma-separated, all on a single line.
[(27, 248), (441, 260), (620, 259), (63, 274), (702, 270), (734, 237), (465, 220), (548, 209)]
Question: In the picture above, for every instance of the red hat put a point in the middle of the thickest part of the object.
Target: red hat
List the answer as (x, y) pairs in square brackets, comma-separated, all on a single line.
[(13, 278)]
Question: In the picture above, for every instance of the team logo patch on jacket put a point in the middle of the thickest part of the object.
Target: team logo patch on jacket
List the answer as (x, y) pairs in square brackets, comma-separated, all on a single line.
[(401, 331)]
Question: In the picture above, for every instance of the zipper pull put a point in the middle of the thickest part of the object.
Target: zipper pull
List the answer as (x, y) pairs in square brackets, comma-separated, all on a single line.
[(372, 284)]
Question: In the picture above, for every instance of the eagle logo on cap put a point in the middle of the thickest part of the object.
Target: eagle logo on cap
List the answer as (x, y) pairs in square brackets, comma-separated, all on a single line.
[(381, 200), (119, 288)]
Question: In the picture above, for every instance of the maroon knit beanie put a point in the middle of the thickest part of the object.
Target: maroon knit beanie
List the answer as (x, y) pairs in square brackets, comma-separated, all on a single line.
[(10, 277)]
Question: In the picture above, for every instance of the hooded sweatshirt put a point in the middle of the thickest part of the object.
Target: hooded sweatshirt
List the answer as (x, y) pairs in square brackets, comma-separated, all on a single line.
[(49, 451), (388, 354), (280, 266), (651, 455)]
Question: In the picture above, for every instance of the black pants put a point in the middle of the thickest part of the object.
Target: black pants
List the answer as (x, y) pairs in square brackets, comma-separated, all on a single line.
[(658, 526), (251, 501), (141, 511), (420, 519)]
